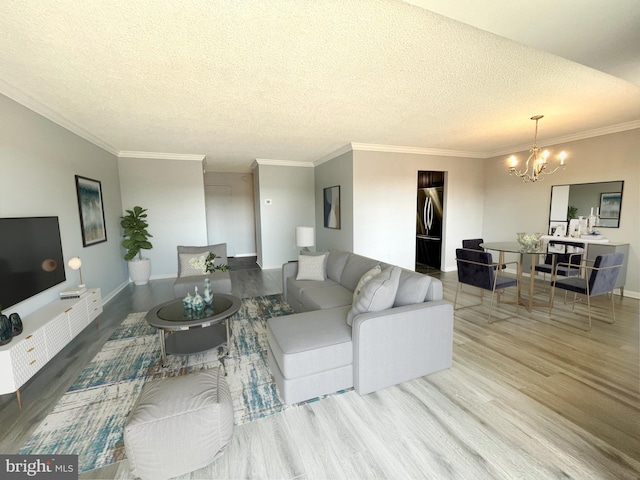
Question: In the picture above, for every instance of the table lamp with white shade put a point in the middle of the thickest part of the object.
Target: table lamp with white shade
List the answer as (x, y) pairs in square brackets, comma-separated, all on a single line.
[(305, 238)]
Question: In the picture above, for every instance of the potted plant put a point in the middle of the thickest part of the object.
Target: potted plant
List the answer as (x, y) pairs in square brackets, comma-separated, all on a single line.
[(136, 239)]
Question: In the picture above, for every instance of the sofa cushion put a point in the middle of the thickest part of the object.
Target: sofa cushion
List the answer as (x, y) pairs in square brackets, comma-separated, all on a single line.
[(326, 297), (412, 288), (186, 267), (312, 267), (356, 266), (379, 294), (366, 278), (310, 342), (335, 263), (296, 287)]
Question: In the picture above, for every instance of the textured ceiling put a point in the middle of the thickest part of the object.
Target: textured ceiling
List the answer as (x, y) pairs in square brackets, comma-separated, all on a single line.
[(292, 80)]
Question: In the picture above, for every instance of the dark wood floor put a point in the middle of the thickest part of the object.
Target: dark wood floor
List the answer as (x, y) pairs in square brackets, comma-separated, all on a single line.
[(526, 398)]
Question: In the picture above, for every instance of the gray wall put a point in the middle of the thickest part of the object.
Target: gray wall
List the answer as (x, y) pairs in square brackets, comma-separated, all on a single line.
[(286, 201), (338, 171), (173, 193), (38, 163), (599, 159)]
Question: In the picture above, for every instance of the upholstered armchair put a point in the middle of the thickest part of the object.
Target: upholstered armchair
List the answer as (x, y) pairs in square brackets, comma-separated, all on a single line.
[(189, 276)]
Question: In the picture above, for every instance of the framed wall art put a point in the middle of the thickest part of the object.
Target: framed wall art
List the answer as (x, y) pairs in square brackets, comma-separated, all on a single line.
[(558, 229), (332, 207), (610, 205), (91, 210)]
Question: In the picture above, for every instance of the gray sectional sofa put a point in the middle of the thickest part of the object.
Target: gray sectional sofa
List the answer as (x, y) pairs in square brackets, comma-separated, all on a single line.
[(396, 329)]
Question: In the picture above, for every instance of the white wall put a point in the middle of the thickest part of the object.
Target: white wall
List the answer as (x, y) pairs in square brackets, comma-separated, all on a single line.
[(286, 201), (241, 216), (38, 163), (173, 193), (384, 204), (511, 206)]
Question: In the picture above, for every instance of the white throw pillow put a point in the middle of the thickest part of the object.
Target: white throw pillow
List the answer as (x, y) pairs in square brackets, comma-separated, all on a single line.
[(377, 295), (186, 268), (312, 267), (366, 278)]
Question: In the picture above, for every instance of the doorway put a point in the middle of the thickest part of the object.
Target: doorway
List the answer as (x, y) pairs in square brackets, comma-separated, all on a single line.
[(429, 220), (218, 205)]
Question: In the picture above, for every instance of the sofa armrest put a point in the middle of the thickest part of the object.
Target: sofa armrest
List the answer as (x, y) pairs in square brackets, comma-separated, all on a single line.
[(289, 269), (400, 344)]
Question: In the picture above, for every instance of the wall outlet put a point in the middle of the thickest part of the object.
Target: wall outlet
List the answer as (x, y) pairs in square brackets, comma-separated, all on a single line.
[(268, 201)]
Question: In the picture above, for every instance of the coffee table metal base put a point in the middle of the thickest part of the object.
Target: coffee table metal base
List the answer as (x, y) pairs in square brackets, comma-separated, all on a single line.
[(185, 342)]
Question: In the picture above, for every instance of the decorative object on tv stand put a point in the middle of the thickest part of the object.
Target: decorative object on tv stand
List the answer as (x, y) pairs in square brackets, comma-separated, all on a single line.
[(92, 222), (529, 241), (538, 160), (136, 239), (6, 332), (76, 264), (305, 238), (16, 324)]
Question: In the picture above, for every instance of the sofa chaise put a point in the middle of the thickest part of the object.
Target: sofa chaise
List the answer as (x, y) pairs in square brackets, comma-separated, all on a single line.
[(395, 328)]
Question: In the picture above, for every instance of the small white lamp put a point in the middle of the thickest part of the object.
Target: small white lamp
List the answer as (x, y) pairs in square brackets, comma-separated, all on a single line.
[(75, 263), (305, 238)]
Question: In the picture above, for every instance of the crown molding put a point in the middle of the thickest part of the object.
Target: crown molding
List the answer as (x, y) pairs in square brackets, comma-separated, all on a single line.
[(281, 163), (415, 150), (34, 105), (336, 153), (620, 127), (161, 156)]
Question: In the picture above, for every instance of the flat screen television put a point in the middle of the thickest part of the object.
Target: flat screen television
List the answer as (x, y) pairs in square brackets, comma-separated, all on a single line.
[(30, 257)]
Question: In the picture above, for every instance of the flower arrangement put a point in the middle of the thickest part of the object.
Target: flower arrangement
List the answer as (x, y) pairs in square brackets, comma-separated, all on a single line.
[(206, 264)]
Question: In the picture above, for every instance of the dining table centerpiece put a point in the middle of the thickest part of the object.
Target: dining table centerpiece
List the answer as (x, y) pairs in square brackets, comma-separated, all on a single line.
[(529, 241)]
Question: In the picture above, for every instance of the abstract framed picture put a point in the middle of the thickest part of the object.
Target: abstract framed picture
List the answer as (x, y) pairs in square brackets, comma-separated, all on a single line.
[(332, 207), (610, 205), (91, 210)]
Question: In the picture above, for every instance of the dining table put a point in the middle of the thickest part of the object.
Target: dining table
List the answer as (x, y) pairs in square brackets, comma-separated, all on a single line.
[(534, 253)]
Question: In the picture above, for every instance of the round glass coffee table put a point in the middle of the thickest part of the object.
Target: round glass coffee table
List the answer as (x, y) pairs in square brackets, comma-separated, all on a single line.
[(183, 332)]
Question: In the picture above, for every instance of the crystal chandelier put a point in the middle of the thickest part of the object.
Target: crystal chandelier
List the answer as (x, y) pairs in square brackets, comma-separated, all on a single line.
[(537, 159)]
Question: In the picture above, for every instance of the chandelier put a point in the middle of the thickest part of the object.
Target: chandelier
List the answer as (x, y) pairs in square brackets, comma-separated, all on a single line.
[(537, 159)]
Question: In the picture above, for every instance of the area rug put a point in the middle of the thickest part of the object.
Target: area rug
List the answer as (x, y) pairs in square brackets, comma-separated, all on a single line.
[(88, 420)]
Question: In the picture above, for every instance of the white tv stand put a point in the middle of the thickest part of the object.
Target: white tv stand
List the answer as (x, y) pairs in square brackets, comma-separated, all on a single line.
[(45, 332)]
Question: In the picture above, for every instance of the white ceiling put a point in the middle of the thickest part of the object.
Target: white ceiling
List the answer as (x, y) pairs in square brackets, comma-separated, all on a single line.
[(297, 80)]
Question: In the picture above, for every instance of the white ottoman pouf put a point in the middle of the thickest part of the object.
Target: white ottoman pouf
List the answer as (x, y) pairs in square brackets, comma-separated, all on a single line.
[(179, 424)]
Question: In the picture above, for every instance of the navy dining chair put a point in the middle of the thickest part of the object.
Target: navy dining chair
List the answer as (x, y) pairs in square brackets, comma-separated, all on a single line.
[(477, 269), (568, 262), (598, 279)]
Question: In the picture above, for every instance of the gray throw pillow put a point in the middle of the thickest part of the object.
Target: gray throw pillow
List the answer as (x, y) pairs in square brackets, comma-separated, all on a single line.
[(312, 267), (377, 295)]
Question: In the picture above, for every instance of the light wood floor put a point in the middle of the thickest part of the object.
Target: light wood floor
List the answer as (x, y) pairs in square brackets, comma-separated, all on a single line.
[(526, 398)]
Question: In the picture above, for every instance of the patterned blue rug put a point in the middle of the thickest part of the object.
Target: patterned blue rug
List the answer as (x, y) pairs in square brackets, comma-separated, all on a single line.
[(89, 419)]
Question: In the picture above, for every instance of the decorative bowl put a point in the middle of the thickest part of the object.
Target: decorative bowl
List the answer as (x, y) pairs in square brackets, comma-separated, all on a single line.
[(529, 241)]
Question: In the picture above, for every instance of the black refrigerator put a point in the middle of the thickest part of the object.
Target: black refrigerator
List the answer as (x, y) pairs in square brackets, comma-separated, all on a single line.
[(429, 226)]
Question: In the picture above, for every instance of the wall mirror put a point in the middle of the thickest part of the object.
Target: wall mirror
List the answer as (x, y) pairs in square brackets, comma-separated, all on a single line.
[(577, 200)]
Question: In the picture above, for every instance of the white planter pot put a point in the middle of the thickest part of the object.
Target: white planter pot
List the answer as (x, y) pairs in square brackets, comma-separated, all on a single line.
[(140, 271)]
